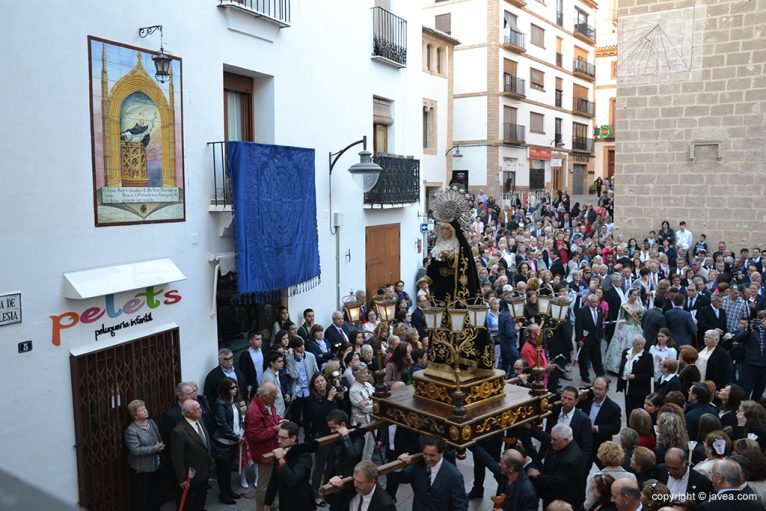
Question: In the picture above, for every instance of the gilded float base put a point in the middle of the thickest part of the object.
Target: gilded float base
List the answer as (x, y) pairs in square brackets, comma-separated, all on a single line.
[(438, 390), (515, 406)]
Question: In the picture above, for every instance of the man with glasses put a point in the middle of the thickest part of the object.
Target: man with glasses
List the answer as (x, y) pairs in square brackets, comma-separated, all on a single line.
[(290, 479), (225, 368)]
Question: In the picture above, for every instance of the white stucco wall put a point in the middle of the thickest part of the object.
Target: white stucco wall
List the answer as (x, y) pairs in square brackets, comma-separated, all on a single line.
[(323, 84)]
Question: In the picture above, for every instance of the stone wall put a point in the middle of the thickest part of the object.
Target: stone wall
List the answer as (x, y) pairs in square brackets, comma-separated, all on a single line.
[(690, 118)]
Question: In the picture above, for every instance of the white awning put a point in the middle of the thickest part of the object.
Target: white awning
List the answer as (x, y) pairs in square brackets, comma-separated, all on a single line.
[(116, 279)]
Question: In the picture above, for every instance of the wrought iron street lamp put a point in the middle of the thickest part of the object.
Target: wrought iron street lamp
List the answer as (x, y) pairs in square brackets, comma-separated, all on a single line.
[(163, 59), (365, 174)]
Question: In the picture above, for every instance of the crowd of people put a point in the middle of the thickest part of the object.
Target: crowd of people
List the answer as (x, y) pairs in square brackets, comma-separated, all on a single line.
[(680, 331)]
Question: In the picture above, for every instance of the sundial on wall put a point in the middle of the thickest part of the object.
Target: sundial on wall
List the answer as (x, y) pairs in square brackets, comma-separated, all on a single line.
[(659, 43)]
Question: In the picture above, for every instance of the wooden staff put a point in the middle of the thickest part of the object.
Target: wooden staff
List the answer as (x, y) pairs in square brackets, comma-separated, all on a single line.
[(334, 437), (382, 470)]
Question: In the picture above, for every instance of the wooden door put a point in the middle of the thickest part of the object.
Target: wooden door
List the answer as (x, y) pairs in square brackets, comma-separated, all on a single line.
[(382, 245), (103, 383), (610, 163)]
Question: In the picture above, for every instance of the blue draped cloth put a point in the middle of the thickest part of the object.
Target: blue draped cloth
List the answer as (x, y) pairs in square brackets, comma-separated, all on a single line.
[(275, 218)]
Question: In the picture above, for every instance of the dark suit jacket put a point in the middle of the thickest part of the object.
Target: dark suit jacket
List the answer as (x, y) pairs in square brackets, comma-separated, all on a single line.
[(608, 420), (333, 337), (706, 319), (688, 376), (213, 379), (669, 385), (341, 501), (719, 368), (247, 367), (643, 369), (584, 322), (418, 321), (169, 421), (613, 300), (521, 495), (651, 322), (733, 500), (692, 415), (697, 483), (563, 476), (582, 431), (557, 268), (699, 302), (291, 481), (681, 325), (446, 492), (187, 450)]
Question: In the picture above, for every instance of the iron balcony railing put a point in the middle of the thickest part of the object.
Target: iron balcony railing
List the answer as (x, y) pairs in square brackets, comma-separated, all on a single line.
[(558, 140), (513, 37), (559, 59), (582, 66), (277, 10), (389, 36), (582, 143), (221, 197), (514, 84), (559, 97), (559, 18), (582, 106), (399, 183), (513, 133), (586, 30)]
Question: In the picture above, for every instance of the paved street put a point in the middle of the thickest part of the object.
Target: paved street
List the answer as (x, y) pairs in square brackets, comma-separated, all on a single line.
[(404, 496)]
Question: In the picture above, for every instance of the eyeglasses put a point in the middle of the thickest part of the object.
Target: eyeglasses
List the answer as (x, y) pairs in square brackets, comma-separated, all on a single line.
[(228, 358), (282, 437), (233, 388)]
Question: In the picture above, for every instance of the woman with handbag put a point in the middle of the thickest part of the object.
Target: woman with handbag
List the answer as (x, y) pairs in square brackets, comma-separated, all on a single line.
[(229, 432), (142, 438)]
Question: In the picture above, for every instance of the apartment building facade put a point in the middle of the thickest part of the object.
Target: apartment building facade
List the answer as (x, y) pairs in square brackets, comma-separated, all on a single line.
[(604, 132), (524, 91)]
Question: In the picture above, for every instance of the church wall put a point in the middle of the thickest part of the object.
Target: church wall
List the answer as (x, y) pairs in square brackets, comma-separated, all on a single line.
[(690, 128)]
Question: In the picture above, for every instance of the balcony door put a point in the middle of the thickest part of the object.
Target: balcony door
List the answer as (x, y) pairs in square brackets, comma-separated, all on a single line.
[(382, 246), (238, 107), (509, 115)]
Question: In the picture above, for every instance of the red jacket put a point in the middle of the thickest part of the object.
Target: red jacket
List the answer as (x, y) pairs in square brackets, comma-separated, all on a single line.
[(259, 429)]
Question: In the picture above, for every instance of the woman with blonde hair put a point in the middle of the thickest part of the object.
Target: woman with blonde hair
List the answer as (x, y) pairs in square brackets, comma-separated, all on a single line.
[(671, 432), (610, 455)]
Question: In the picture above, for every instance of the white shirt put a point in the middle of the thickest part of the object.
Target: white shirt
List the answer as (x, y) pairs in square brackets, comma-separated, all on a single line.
[(685, 238), (566, 418), (257, 357), (594, 409), (663, 353), (621, 293), (677, 487), (354, 504), (631, 359)]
